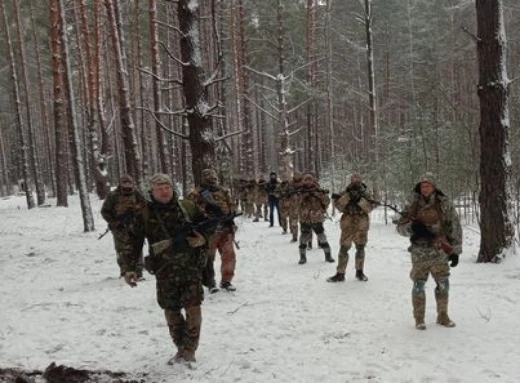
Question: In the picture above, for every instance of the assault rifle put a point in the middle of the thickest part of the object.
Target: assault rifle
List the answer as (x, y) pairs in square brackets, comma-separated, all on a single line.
[(443, 244), (124, 221), (178, 239), (306, 190)]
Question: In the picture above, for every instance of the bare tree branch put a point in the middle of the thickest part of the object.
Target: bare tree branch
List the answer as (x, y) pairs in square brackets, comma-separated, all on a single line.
[(262, 109), (172, 56), (263, 74), (228, 135), (158, 78)]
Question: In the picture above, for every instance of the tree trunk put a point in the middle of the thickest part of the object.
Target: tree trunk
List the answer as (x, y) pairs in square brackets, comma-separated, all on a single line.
[(132, 156), (497, 230), (156, 88), (202, 142), (60, 126), (19, 121), (88, 219)]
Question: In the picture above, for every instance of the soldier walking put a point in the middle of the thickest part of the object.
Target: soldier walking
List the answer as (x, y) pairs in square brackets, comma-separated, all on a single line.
[(433, 225), (313, 208), (177, 265), (355, 222), (119, 210), (216, 202)]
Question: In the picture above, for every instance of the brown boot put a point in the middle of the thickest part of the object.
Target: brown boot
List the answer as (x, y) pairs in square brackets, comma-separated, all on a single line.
[(419, 307), (444, 320), (442, 298)]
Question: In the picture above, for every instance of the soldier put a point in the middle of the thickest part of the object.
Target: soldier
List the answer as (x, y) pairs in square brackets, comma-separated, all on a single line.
[(251, 187), (312, 207), (284, 202), (260, 200), (119, 210), (355, 204), (294, 202), (273, 198), (433, 225), (177, 265), (216, 202)]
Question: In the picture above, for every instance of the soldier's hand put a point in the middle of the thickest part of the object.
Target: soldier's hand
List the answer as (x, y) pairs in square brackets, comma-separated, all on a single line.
[(195, 239), (453, 259), (131, 278)]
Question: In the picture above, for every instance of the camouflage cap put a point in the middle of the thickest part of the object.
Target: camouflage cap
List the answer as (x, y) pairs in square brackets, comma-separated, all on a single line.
[(429, 178), (126, 178), (308, 176), (208, 174), (160, 178)]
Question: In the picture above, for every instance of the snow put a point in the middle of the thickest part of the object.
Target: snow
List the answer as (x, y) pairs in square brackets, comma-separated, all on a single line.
[(62, 302)]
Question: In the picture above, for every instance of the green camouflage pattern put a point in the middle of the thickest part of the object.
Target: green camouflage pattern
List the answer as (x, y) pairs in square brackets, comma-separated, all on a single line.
[(119, 210)]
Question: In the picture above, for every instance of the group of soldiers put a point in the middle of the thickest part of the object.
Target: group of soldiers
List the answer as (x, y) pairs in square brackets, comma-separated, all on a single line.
[(184, 236)]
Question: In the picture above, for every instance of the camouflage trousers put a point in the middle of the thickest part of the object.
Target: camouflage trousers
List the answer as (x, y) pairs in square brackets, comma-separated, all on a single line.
[(428, 260), (122, 239), (258, 211), (306, 229), (223, 242), (354, 229), (178, 290)]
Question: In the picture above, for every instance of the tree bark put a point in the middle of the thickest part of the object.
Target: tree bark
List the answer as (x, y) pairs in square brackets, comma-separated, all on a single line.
[(497, 230), (19, 120)]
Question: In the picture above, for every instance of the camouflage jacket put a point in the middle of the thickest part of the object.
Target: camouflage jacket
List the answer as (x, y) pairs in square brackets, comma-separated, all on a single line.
[(159, 222), (313, 204), (214, 200), (438, 214), (261, 192), (119, 209), (354, 203)]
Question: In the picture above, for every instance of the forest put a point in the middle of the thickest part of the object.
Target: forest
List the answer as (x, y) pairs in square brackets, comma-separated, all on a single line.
[(93, 89)]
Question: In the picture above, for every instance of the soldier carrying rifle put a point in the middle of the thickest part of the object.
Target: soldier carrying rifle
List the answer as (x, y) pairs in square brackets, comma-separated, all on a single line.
[(119, 210), (177, 264), (433, 225)]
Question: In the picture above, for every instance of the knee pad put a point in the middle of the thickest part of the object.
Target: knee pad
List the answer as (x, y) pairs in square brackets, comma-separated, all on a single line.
[(302, 246), (443, 286), (418, 287)]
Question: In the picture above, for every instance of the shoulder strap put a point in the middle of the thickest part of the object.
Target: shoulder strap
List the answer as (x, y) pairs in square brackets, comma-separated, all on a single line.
[(184, 206)]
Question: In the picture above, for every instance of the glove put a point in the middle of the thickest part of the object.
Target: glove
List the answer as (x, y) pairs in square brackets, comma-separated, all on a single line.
[(420, 230), (131, 278), (453, 259), (195, 239), (335, 196)]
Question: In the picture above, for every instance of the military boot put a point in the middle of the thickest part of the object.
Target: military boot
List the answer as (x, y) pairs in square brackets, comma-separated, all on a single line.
[(294, 238), (442, 309), (303, 256), (338, 277), (326, 249), (360, 276), (419, 307)]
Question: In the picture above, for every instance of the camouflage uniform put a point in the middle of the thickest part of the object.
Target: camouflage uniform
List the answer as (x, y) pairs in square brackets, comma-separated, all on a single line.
[(119, 210), (261, 200), (355, 221), (313, 205), (177, 267), (294, 203), (216, 202), (282, 192), (251, 187), (433, 225), (273, 198), (242, 194)]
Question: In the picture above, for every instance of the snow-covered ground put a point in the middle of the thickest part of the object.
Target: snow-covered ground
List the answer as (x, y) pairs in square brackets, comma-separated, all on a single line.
[(61, 301)]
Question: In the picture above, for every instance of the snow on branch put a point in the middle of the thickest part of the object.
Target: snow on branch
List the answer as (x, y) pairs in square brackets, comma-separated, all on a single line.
[(164, 127), (263, 74), (228, 135), (172, 56), (259, 107), (159, 78)]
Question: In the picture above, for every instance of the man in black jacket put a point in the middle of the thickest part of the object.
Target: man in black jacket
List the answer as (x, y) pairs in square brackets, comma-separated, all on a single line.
[(274, 202)]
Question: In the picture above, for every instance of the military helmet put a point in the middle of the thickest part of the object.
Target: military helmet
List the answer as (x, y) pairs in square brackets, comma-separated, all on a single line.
[(126, 178)]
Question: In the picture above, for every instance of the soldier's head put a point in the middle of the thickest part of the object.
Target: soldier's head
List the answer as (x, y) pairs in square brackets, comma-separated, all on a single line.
[(426, 185), (272, 176), (308, 180), (126, 182), (297, 177), (161, 188), (356, 178), (209, 177)]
